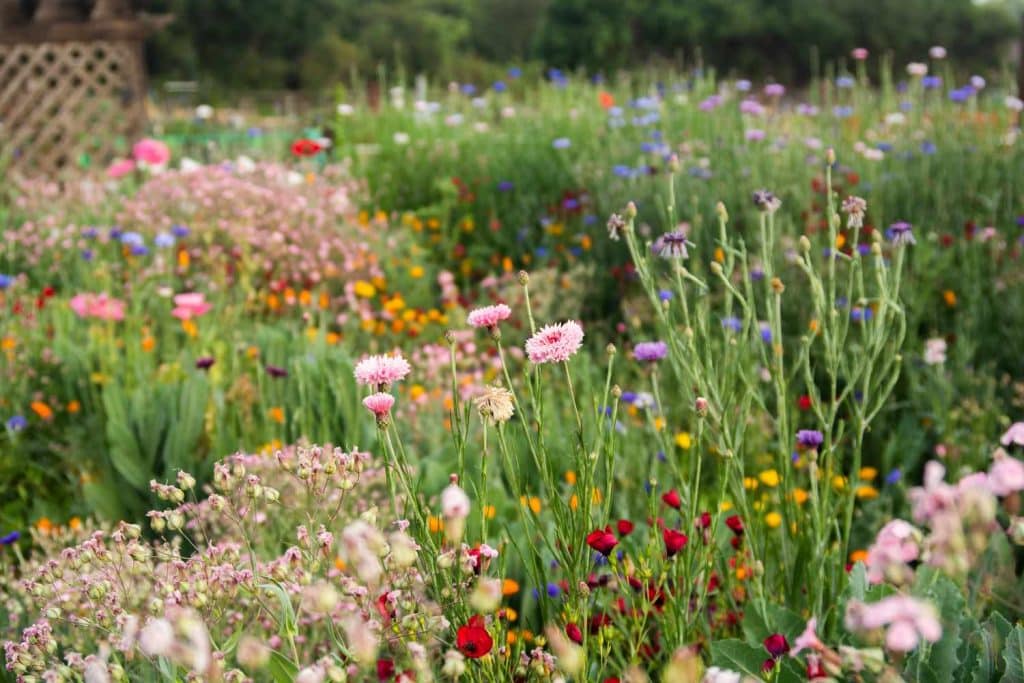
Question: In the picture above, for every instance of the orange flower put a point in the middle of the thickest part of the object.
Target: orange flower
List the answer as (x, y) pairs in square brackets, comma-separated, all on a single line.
[(148, 343), (509, 587), (74, 407), (276, 414), (44, 525), (183, 259), (606, 99), (949, 296), (42, 410)]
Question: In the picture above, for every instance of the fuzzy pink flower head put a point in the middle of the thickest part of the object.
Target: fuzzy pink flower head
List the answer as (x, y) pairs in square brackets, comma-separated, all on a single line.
[(120, 168), (379, 404), (1006, 475), (190, 305), (151, 152), (555, 343), (859, 53), (454, 502), (936, 495), (381, 371), (489, 316), (1014, 436)]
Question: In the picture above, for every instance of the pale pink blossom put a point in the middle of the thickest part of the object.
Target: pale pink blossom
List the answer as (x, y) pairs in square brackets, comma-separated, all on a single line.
[(897, 544), (808, 640), (380, 371), (555, 343), (120, 168), (98, 306), (1006, 475), (379, 404), (489, 316), (190, 305), (1014, 436), (859, 53), (908, 621), (454, 502)]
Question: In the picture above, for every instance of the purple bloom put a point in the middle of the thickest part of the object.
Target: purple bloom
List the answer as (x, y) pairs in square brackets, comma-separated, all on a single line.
[(11, 538), (774, 90), (6, 281), (671, 245), (179, 231), (665, 295), (894, 476), (17, 423), (650, 351), (275, 371), (561, 143), (732, 324), (766, 332), (900, 233), (505, 186), (809, 439), (931, 82), (206, 362)]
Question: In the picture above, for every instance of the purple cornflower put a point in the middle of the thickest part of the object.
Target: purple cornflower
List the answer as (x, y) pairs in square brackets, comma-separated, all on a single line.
[(900, 233), (732, 324), (893, 477), (275, 371), (774, 90), (179, 231), (505, 186), (17, 423), (809, 439), (766, 332), (671, 245), (11, 538), (206, 362), (650, 351), (766, 201)]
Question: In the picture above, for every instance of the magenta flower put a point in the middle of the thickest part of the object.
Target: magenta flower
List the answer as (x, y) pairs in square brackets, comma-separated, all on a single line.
[(381, 371), (379, 404), (151, 152), (489, 316), (99, 306), (190, 305), (650, 351), (555, 343)]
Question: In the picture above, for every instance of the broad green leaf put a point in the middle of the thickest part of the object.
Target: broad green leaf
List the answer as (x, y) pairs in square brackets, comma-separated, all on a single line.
[(1013, 655), (735, 655), (281, 669)]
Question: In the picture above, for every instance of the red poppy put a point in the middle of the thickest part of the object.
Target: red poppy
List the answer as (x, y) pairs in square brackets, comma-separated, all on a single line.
[(625, 527), (776, 644), (735, 523), (385, 669), (606, 99), (804, 402), (674, 541), (473, 640), (574, 633), (49, 291), (305, 147), (672, 499), (602, 540)]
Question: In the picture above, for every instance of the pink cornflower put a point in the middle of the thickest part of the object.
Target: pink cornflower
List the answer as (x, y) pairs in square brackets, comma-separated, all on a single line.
[(190, 305), (1014, 436), (379, 404), (151, 152), (555, 343), (489, 316), (381, 371)]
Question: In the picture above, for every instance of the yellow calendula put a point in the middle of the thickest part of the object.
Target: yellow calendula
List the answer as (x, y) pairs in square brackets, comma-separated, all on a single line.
[(684, 441)]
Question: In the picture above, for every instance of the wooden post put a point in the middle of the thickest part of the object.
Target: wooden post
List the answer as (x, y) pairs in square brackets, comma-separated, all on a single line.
[(111, 9), (53, 11)]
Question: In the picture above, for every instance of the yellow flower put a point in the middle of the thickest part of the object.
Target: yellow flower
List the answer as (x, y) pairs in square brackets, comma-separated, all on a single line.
[(749, 483), (773, 520), (596, 496), (509, 587), (489, 511), (98, 378), (75, 523), (324, 300), (533, 502), (190, 328), (364, 289), (659, 423), (684, 441), (868, 473), (276, 414), (574, 502), (416, 391), (416, 272), (511, 614), (719, 255), (570, 478), (949, 296), (435, 524), (838, 482), (8, 343), (724, 506), (333, 338), (769, 478)]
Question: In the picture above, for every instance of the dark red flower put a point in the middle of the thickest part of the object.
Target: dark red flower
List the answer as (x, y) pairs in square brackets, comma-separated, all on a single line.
[(815, 669), (612, 679), (473, 640), (703, 521), (768, 665), (735, 523), (574, 633), (305, 147), (674, 541), (776, 644), (946, 240), (602, 540), (49, 291), (625, 527), (804, 402), (672, 499), (385, 669)]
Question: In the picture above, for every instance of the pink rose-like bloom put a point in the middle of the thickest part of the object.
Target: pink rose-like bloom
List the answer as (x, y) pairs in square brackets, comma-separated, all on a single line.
[(98, 306), (859, 53), (936, 495), (381, 371), (1006, 475), (151, 152), (120, 168), (379, 404), (555, 343), (1014, 436), (190, 305), (895, 546), (489, 316), (909, 620)]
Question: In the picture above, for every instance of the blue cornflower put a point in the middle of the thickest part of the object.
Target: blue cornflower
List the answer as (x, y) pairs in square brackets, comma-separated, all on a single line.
[(766, 332), (906, 105), (90, 233), (809, 439), (499, 86), (11, 538), (628, 396), (17, 423), (254, 131), (931, 82), (570, 203), (553, 590), (661, 456), (561, 143), (468, 89), (589, 219), (115, 233), (893, 476), (845, 82), (164, 240), (515, 72), (665, 295), (87, 254), (733, 324), (928, 147), (622, 171), (179, 231), (139, 250), (884, 146), (6, 281), (540, 252), (505, 186), (842, 111), (861, 315), (900, 233), (132, 238), (961, 94)]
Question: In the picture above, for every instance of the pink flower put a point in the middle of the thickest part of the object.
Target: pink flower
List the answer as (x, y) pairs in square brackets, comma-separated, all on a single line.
[(190, 305), (98, 306), (909, 620), (935, 495), (1006, 475), (859, 53), (489, 316), (151, 152), (380, 371), (379, 404), (1014, 436), (120, 168), (555, 343), (454, 502), (895, 546), (808, 640)]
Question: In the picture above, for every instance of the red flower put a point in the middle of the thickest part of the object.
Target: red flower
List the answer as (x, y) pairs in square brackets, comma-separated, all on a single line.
[(385, 669), (703, 521), (672, 499), (473, 640), (49, 291), (305, 147), (735, 523), (602, 540), (606, 99), (804, 402), (625, 527), (384, 608), (574, 633), (768, 665), (674, 541), (776, 644), (815, 668)]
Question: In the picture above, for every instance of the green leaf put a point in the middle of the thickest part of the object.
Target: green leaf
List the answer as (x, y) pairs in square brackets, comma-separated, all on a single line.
[(735, 655), (1013, 655), (281, 669), (287, 616)]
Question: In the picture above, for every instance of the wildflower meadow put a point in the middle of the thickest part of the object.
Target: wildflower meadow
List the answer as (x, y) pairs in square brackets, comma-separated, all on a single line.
[(663, 376)]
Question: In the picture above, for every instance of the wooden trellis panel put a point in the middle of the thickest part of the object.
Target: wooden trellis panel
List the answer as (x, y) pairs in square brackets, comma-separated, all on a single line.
[(60, 100)]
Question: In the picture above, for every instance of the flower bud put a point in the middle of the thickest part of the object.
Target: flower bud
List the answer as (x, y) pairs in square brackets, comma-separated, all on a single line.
[(630, 211), (716, 267), (701, 406), (830, 156), (805, 244), (524, 278)]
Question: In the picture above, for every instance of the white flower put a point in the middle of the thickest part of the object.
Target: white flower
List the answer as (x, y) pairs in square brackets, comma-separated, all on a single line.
[(346, 109), (204, 112), (401, 138), (896, 118), (937, 52), (1014, 103), (189, 165), (244, 164), (917, 69), (935, 351), (156, 638), (454, 502)]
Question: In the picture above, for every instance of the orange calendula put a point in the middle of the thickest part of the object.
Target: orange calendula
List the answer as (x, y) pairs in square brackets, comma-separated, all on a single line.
[(276, 414), (42, 410)]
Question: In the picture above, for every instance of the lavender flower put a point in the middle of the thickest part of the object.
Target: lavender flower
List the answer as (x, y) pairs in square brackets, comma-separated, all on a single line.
[(671, 245), (650, 351), (809, 439), (900, 233), (766, 201)]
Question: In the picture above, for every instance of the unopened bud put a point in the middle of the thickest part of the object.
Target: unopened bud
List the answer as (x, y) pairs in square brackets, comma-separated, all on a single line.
[(777, 285), (805, 244), (723, 215), (716, 267), (630, 211), (610, 349), (701, 406), (830, 156), (524, 278), (617, 391)]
